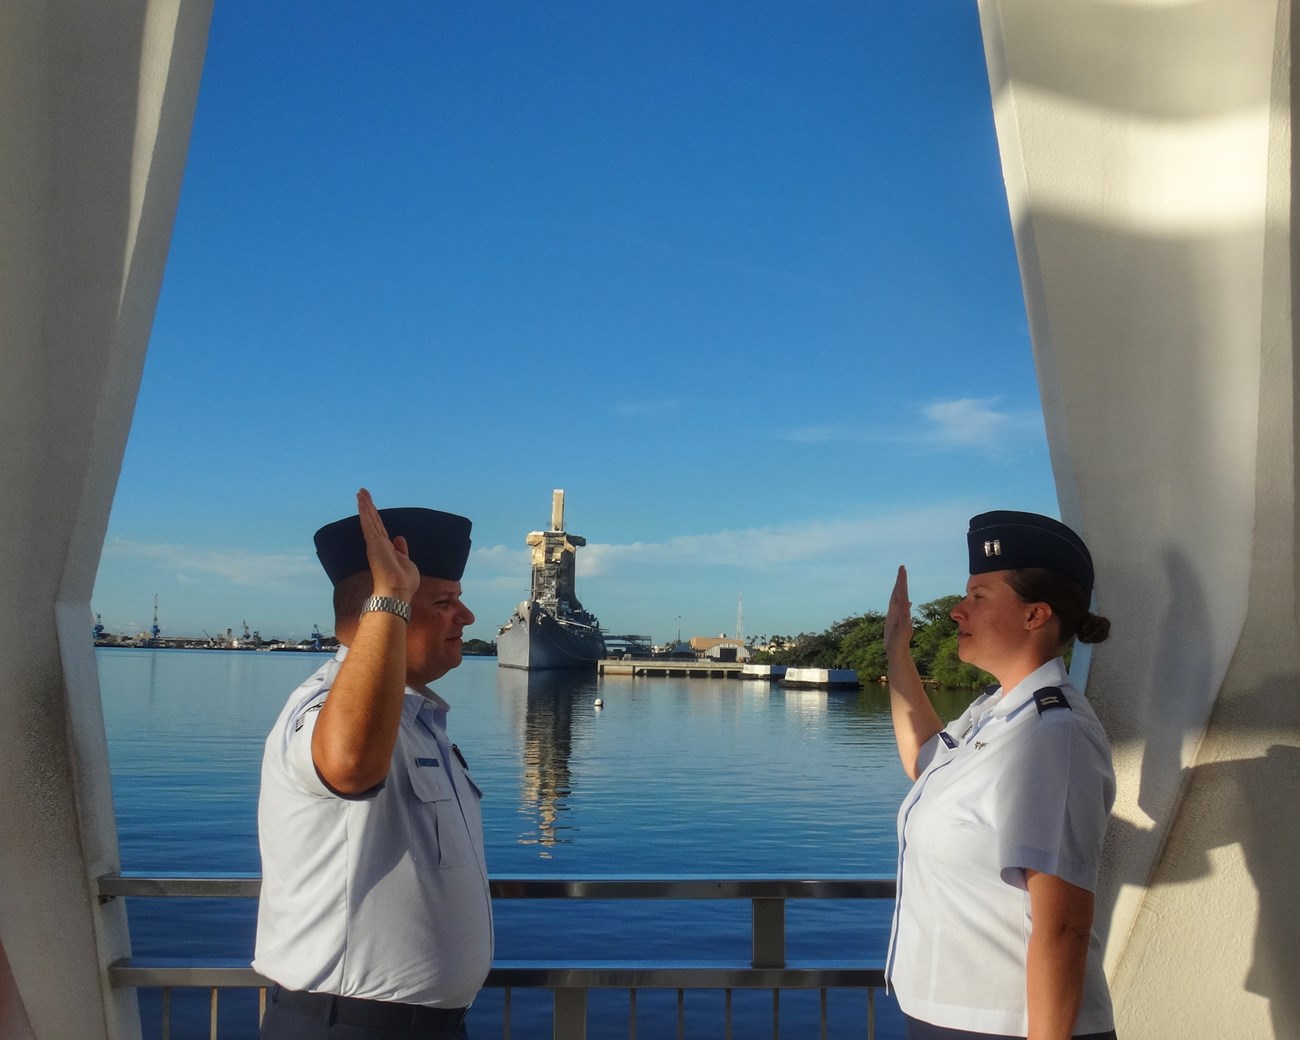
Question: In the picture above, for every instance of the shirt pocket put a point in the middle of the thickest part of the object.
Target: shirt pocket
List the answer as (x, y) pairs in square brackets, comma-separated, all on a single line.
[(431, 811)]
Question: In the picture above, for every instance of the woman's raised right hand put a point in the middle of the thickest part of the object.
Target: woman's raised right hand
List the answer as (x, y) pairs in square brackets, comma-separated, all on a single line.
[(898, 619)]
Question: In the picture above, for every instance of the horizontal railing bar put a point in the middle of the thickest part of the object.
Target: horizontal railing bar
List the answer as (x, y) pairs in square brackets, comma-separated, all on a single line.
[(685, 975), (518, 886), (177, 885), (613, 886), (230, 973), (201, 972)]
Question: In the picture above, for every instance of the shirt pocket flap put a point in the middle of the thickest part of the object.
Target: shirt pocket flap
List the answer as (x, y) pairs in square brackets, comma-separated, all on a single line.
[(429, 780)]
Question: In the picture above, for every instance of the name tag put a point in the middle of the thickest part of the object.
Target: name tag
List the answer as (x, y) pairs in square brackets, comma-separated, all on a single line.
[(426, 762), (948, 742)]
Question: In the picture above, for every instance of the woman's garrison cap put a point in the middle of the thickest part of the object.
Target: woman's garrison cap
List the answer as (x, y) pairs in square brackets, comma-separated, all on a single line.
[(1005, 540), (438, 543)]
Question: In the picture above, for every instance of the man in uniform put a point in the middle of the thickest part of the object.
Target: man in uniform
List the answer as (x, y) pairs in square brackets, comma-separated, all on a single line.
[(374, 919)]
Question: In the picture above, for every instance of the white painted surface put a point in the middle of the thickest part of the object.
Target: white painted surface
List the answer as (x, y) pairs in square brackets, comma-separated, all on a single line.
[(96, 100), (1146, 150)]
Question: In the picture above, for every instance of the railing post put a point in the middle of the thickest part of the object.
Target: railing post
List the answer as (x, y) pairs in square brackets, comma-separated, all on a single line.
[(769, 932), (570, 1018)]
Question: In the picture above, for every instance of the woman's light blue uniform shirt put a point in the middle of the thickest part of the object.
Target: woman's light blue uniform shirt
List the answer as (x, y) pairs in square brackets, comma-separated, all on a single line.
[(1003, 789)]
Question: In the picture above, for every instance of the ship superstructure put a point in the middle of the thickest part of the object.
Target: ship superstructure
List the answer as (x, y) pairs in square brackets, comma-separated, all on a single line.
[(551, 629)]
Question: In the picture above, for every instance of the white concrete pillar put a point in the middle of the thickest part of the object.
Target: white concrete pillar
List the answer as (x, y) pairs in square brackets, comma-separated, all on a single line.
[(96, 101), (1147, 151)]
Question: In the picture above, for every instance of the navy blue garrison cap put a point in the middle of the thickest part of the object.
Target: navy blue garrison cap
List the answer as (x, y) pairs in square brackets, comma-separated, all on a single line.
[(1005, 540), (438, 543)]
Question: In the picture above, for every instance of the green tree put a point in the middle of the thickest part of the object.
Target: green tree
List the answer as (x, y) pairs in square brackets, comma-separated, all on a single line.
[(859, 643), (810, 650), (863, 647), (814, 649), (950, 670), (933, 627)]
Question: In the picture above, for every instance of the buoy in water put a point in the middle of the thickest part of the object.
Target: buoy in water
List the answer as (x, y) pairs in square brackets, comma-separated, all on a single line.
[(599, 703)]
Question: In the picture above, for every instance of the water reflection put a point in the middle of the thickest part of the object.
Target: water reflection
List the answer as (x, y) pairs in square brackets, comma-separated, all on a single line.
[(806, 705), (680, 756), (547, 701)]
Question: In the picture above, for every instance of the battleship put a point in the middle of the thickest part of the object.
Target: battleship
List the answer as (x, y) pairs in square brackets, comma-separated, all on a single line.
[(551, 629)]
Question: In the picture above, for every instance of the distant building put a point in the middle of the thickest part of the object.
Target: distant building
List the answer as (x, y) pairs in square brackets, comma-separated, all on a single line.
[(721, 648)]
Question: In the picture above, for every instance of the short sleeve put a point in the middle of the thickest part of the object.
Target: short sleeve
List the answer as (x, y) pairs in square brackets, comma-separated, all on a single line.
[(295, 745), (1053, 800)]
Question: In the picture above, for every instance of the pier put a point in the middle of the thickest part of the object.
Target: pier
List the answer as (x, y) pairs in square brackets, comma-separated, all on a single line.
[(661, 667)]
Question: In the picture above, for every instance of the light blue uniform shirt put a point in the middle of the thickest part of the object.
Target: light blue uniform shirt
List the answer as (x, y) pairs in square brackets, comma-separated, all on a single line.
[(384, 896), (1003, 789)]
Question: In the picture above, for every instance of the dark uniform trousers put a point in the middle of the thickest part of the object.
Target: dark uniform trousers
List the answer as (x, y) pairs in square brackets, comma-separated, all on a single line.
[(918, 1030), (294, 1015)]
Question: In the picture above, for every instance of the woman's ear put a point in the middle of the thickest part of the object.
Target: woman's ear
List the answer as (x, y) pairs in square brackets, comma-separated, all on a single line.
[(1037, 615)]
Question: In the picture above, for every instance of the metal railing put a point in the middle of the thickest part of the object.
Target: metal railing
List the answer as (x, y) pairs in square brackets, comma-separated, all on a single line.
[(569, 981)]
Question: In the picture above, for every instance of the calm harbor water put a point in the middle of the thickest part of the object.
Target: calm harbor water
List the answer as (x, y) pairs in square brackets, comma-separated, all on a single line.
[(671, 776)]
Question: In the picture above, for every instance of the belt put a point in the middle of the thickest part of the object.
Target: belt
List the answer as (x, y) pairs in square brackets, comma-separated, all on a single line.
[(371, 1014)]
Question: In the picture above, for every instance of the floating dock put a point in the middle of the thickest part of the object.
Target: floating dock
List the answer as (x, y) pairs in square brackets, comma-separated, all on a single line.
[(820, 677), (661, 667)]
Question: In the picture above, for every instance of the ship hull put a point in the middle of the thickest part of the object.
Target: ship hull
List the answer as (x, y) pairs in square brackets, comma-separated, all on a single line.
[(536, 640)]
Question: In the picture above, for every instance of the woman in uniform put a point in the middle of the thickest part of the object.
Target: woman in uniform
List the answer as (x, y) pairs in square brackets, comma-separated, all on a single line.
[(1000, 837)]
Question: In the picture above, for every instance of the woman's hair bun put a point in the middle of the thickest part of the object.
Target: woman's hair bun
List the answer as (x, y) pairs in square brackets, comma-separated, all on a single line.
[(1093, 629)]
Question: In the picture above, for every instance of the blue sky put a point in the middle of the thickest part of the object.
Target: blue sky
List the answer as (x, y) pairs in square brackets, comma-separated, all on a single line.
[(739, 277)]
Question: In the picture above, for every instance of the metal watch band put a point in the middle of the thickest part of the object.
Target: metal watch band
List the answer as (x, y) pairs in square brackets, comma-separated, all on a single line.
[(389, 604)]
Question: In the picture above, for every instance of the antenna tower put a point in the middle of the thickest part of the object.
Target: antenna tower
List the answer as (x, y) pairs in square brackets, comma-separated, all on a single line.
[(740, 618)]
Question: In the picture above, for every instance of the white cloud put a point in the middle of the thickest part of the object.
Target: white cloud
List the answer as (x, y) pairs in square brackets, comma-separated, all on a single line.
[(237, 566), (500, 568), (853, 538), (501, 557), (972, 424), (975, 422)]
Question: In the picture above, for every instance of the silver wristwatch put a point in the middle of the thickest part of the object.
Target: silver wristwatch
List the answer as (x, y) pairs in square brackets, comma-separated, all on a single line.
[(389, 604)]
